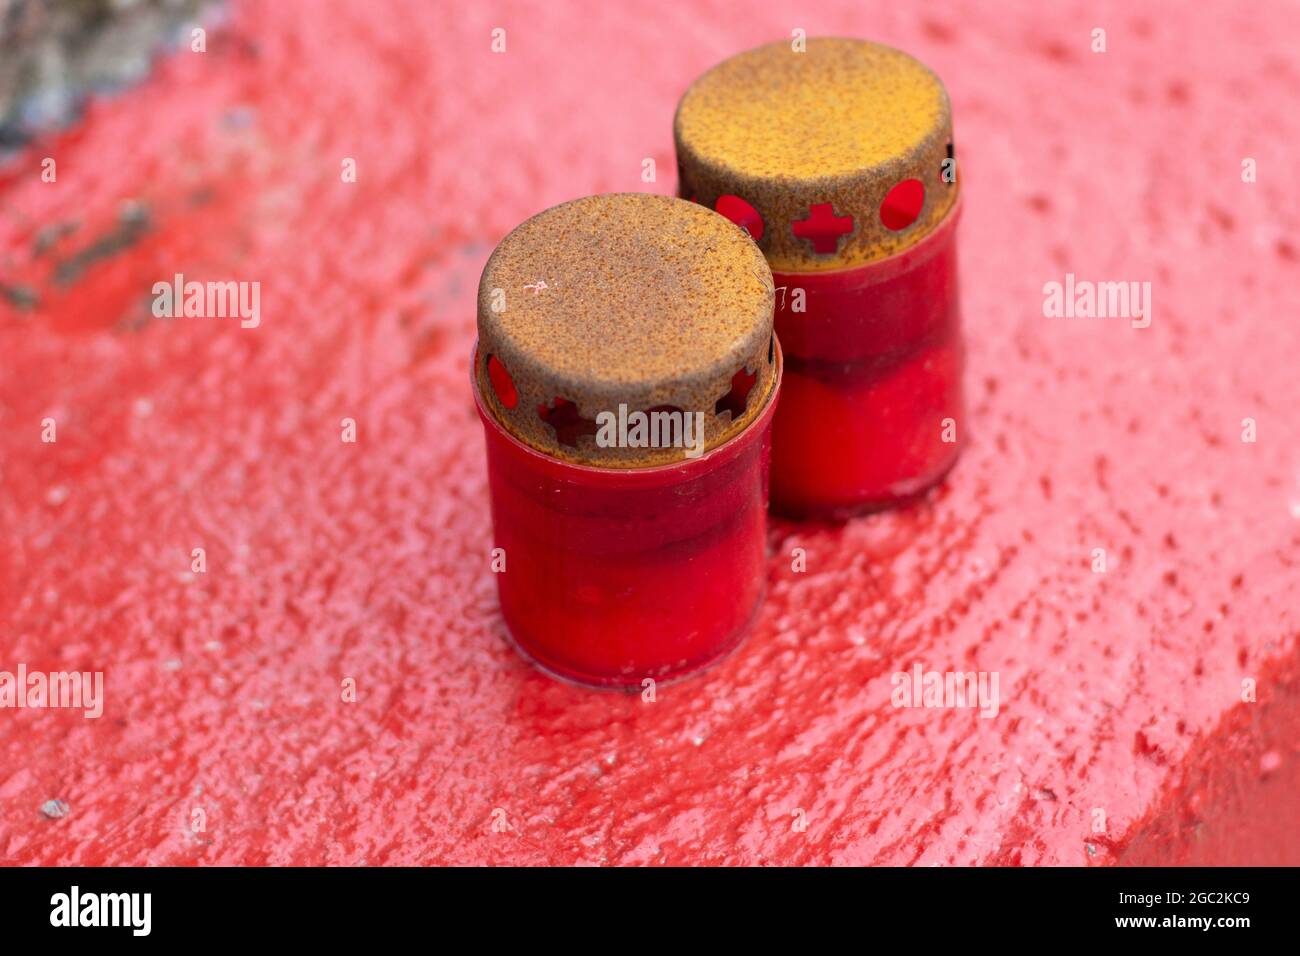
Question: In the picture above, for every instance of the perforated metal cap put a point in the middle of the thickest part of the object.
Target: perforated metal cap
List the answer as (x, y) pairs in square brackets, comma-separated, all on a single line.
[(831, 158), (619, 304)]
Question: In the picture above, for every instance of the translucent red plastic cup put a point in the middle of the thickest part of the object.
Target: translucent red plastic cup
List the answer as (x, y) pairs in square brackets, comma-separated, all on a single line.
[(616, 575), (871, 405)]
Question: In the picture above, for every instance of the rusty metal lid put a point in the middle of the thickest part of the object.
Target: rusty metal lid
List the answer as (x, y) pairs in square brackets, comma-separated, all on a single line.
[(831, 158), (626, 303)]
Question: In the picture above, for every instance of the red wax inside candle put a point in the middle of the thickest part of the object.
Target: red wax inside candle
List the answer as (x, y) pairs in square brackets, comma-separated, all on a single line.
[(871, 406), (614, 575)]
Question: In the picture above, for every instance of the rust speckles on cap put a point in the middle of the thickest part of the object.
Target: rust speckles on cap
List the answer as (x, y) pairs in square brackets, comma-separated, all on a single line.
[(815, 141), (648, 302)]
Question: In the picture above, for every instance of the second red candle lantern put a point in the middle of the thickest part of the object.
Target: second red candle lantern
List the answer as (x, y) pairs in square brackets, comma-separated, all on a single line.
[(837, 158)]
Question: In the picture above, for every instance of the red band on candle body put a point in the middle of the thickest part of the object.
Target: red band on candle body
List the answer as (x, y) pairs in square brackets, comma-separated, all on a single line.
[(872, 388), (613, 575)]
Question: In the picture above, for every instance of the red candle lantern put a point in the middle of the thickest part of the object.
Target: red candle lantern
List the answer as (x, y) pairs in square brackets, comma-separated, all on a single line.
[(837, 158), (626, 375)]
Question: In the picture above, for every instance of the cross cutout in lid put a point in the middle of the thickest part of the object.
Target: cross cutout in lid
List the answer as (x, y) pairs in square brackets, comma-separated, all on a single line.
[(823, 228), (569, 425), (736, 399)]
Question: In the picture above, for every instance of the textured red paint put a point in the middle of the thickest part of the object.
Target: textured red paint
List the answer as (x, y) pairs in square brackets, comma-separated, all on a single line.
[(1121, 690)]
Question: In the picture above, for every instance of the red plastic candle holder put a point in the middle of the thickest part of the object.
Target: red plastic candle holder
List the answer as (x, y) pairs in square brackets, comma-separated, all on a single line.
[(838, 161), (616, 575), (627, 374), (871, 409)]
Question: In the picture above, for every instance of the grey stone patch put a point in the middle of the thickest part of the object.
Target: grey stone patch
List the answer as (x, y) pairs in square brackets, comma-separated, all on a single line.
[(22, 297), (54, 809), (133, 222), (54, 53)]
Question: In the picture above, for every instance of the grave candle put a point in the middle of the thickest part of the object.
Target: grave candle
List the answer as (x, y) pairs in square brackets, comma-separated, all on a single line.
[(837, 158), (626, 375)]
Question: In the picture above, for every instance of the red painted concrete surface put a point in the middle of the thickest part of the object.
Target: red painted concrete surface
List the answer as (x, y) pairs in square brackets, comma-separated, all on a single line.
[(1120, 691)]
